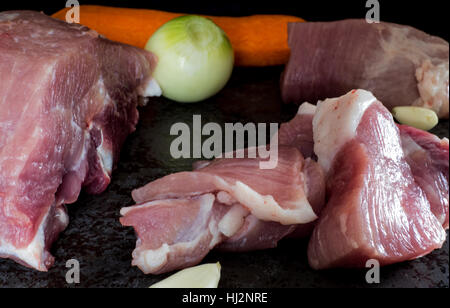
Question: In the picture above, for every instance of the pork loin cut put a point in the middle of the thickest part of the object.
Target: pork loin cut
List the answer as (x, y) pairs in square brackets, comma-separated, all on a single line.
[(399, 64), (67, 102), (228, 202), (376, 209)]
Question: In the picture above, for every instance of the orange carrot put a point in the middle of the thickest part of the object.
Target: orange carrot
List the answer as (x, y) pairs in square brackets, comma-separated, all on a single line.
[(258, 40)]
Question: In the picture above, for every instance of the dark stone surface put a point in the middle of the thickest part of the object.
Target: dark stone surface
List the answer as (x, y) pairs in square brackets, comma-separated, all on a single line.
[(103, 247)]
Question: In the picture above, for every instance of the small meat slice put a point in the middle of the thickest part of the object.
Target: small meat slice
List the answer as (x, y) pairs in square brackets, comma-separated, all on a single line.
[(68, 100), (375, 208), (399, 64), (428, 157), (230, 202)]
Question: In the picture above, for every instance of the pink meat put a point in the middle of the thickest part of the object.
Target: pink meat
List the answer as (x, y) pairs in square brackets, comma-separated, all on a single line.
[(174, 233), (426, 154), (256, 234), (399, 64), (68, 100), (228, 202), (428, 157), (375, 209), (299, 131)]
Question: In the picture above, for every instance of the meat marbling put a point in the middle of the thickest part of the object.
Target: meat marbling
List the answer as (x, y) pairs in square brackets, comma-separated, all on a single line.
[(68, 100)]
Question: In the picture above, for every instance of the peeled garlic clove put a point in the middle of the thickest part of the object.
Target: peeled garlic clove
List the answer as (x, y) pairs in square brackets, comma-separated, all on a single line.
[(202, 276), (418, 117)]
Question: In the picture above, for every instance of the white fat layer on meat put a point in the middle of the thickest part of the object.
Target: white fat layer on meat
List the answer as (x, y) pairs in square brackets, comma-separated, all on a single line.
[(148, 260), (409, 145), (344, 112), (233, 220), (261, 207), (83, 155), (104, 151), (152, 88), (266, 208), (151, 260), (124, 211), (225, 198), (307, 108), (33, 254), (432, 82), (105, 155)]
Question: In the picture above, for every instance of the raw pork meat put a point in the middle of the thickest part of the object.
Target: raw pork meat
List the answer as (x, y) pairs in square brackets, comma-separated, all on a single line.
[(399, 64), (299, 131), (426, 154), (376, 209), (228, 202), (67, 102), (428, 157)]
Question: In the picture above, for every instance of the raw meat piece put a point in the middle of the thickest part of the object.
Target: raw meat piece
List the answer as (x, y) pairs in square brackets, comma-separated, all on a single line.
[(299, 132), (174, 233), (256, 234), (67, 102), (275, 194), (375, 208), (231, 202), (426, 154), (399, 64), (428, 157)]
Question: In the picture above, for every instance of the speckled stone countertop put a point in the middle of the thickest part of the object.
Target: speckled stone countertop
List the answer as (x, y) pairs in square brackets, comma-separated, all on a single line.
[(103, 247)]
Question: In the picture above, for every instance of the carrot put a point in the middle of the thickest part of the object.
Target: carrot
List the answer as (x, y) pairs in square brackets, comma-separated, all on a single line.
[(258, 40)]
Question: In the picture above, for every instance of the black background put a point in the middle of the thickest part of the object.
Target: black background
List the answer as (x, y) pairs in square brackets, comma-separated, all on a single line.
[(429, 16)]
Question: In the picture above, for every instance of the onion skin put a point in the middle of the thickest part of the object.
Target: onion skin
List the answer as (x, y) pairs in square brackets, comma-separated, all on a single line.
[(195, 58)]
